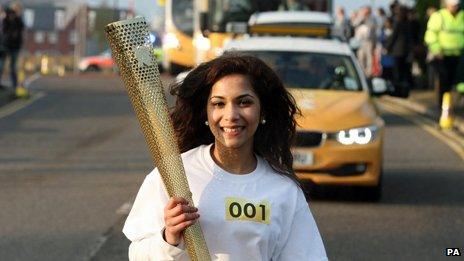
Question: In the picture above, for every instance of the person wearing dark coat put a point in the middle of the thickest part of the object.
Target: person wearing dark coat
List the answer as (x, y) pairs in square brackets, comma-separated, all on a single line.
[(399, 47), (12, 30), (2, 46)]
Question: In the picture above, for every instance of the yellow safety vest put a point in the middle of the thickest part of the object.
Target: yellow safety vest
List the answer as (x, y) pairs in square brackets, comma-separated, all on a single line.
[(445, 33)]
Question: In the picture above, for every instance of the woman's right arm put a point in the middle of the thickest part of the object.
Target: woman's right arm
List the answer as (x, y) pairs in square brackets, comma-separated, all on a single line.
[(145, 225)]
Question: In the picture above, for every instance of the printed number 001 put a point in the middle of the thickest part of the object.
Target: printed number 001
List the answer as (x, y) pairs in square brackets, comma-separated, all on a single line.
[(235, 210)]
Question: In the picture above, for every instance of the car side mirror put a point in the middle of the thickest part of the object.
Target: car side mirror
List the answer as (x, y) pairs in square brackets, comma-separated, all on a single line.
[(379, 86), (237, 27), (354, 44), (340, 71), (181, 76)]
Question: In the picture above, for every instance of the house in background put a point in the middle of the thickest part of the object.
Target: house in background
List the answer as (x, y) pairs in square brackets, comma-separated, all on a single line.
[(47, 31), (66, 31)]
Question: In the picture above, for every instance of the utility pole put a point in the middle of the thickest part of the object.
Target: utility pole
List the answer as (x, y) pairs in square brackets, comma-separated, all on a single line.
[(115, 10), (132, 7), (81, 36)]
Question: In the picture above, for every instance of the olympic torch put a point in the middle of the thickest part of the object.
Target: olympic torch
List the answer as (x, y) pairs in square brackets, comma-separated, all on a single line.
[(133, 52)]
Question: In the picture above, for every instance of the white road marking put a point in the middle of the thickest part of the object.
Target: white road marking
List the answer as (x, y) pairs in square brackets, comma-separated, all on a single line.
[(449, 138), (96, 247), (18, 105), (31, 79), (124, 209)]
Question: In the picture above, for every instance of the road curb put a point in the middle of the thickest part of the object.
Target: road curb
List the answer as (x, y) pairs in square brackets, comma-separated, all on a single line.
[(424, 111), (7, 95)]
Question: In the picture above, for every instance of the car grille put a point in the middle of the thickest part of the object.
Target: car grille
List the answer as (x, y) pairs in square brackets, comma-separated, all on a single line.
[(309, 139)]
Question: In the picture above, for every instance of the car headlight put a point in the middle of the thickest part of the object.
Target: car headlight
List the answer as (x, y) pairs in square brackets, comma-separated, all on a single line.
[(202, 43), (83, 65), (361, 136), (170, 41)]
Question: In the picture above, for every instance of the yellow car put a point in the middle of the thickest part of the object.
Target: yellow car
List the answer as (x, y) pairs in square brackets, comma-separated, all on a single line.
[(340, 133)]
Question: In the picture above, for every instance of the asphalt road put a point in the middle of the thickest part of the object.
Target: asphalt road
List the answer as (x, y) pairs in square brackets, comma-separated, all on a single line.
[(72, 158)]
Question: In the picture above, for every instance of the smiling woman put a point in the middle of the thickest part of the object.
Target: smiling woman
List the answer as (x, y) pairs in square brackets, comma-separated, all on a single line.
[(233, 116), (235, 124), (276, 106)]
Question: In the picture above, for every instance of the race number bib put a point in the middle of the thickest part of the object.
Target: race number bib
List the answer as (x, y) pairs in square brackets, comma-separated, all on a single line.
[(243, 209)]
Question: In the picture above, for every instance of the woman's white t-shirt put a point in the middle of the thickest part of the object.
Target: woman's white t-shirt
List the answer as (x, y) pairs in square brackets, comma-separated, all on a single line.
[(257, 216)]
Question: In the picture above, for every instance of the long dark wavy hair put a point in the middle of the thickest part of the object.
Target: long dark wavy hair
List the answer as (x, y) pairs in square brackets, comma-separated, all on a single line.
[(272, 140)]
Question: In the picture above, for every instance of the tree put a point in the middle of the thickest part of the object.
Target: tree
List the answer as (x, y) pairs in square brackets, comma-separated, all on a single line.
[(422, 5)]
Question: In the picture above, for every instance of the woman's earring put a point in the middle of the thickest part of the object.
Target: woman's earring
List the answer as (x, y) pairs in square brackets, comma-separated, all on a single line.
[(263, 121), (206, 123)]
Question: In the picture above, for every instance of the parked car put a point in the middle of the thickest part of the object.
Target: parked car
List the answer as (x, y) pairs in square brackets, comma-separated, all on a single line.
[(96, 63), (340, 133), (104, 61)]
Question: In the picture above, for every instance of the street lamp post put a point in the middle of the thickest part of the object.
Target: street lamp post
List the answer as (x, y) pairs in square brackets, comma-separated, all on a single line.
[(80, 35), (115, 10)]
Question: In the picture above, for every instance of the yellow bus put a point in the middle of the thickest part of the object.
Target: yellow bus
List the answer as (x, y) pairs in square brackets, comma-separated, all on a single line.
[(177, 41), (213, 16)]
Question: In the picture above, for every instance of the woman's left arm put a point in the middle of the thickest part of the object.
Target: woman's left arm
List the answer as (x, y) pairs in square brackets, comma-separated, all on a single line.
[(304, 241)]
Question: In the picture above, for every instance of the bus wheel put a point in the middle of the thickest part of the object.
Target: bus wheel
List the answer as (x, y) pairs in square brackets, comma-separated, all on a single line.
[(175, 69)]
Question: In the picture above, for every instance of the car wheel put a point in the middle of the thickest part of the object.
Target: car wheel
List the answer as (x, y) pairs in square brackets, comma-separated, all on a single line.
[(160, 68), (93, 68), (373, 193), (175, 69)]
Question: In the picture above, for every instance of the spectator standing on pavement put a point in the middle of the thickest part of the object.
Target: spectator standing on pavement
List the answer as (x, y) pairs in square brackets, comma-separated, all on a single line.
[(2, 45), (445, 40), (399, 47), (353, 19), (432, 67), (386, 60), (418, 53), (235, 124), (13, 38), (342, 27), (365, 33), (292, 5), (393, 9), (381, 20)]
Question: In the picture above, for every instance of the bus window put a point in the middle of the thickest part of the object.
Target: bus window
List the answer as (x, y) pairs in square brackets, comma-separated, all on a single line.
[(225, 11), (182, 13)]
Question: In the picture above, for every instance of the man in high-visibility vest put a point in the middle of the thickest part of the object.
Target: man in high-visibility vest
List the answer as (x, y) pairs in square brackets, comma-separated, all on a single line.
[(445, 40)]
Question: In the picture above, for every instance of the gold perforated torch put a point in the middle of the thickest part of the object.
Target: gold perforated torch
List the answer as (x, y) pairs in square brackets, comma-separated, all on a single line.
[(131, 48)]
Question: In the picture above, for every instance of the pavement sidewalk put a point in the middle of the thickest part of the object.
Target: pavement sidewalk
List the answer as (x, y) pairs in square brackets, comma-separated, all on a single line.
[(424, 102), (6, 95)]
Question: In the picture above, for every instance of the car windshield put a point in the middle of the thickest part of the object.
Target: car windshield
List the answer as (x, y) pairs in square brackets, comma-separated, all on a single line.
[(312, 70), (106, 53)]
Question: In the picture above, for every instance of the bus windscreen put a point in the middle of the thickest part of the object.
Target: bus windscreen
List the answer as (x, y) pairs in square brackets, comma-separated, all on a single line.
[(182, 14), (226, 11)]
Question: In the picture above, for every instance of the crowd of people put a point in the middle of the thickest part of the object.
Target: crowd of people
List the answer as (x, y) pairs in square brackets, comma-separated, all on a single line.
[(11, 40), (392, 44), (386, 43)]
